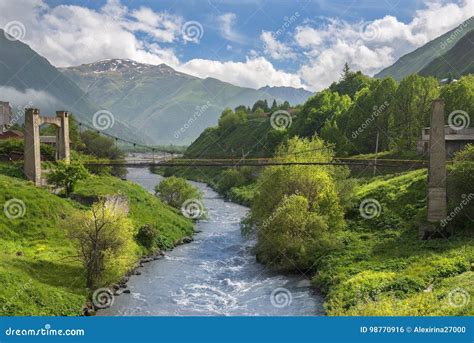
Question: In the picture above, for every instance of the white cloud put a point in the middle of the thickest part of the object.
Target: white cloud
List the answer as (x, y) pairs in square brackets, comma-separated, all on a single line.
[(255, 72), (71, 35), (371, 46), (274, 48), (226, 26)]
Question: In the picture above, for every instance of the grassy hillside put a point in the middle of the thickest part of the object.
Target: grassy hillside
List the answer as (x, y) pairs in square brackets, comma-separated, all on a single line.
[(254, 138), (384, 269), (160, 100), (37, 273), (421, 57), (456, 62), (25, 70)]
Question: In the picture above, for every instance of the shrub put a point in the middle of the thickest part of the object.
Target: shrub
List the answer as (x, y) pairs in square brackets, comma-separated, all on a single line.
[(104, 240), (147, 236), (67, 175), (297, 208), (175, 191)]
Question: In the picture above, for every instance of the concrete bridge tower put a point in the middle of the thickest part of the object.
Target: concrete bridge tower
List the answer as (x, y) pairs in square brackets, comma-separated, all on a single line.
[(32, 153), (437, 197)]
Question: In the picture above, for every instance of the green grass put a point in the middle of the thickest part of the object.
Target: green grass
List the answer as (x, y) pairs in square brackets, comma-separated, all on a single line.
[(145, 208), (384, 269), (254, 138), (37, 273)]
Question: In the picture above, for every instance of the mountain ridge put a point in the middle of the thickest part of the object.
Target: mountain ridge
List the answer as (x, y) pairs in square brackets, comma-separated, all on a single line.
[(160, 100), (416, 60)]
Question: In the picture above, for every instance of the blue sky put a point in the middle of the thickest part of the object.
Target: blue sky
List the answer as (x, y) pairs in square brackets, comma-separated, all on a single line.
[(300, 43)]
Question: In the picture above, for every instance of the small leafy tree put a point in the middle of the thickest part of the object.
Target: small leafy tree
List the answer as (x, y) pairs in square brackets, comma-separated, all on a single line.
[(66, 175), (175, 191), (103, 237)]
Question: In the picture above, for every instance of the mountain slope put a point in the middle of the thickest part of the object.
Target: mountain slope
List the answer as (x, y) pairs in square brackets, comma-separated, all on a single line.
[(421, 57), (458, 61), (294, 96), (167, 105), (29, 80)]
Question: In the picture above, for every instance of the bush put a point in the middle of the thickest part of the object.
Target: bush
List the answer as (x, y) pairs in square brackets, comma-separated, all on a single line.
[(175, 191), (296, 209), (67, 175), (147, 236), (104, 241)]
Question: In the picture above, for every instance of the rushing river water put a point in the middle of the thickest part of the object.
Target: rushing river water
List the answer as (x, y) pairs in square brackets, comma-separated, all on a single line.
[(216, 274)]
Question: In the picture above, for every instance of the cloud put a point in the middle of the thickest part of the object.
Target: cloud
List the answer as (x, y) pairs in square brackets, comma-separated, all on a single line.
[(372, 46), (255, 72), (28, 98), (226, 26), (71, 35), (274, 48)]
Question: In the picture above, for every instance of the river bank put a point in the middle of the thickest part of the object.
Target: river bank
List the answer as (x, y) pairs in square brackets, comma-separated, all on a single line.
[(380, 267), (216, 274)]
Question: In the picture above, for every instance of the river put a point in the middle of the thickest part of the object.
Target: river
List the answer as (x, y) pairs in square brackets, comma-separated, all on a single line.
[(216, 274)]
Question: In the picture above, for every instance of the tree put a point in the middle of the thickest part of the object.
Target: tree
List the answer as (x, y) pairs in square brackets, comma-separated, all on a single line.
[(296, 207), (325, 106), (350, 82), (263, 104), (103, 234), (459, 96), (175, 191), (285, 105), (230, 119), (274, 106), (66, 175), (411, 110), (100, 146), (369, 115)]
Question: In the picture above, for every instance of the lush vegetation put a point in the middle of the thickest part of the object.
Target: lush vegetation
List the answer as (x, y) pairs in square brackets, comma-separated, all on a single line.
[(297, 209), (57, 248), (175, 191), (66, 175), (366, 259), (39, 270)]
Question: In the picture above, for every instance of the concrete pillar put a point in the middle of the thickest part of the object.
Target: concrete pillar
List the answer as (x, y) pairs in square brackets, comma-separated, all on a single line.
[(62, 137), (32, 153), (437, 200)]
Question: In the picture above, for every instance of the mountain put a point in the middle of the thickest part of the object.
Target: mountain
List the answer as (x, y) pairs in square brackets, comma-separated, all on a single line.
[(294, 96), (458, 61), (421, 57), (165, 104), (29, 80)]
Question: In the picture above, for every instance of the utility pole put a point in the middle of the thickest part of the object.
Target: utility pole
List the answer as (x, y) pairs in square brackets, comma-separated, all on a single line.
[(376, 152)]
